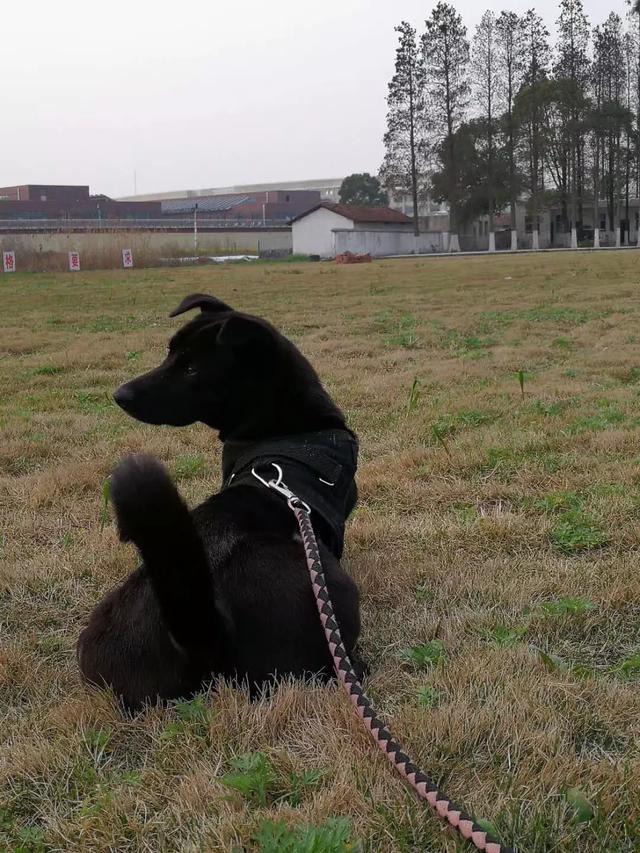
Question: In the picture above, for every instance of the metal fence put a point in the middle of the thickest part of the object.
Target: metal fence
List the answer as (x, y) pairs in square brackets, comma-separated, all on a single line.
[(204, 223)]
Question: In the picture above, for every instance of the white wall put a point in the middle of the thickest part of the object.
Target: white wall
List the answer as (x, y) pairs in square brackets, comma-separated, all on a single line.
[(377, 243), (313, 234)]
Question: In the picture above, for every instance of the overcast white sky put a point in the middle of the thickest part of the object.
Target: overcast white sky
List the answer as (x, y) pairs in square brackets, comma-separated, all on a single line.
[(202, 93)]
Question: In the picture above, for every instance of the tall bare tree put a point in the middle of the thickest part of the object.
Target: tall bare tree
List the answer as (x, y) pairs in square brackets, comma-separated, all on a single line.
[(571, 74), (404, 166), (613, 119), (485, 88), (511, 66), (530, 103), (446, 56)]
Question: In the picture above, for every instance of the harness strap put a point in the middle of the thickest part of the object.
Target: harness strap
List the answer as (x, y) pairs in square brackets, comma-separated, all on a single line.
[(422, 784)]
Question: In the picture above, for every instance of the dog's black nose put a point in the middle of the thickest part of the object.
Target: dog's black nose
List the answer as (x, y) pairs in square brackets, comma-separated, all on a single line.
[(124, 396)]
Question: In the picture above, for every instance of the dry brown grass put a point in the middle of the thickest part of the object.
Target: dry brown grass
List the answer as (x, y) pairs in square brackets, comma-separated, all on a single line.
[(507, 527)]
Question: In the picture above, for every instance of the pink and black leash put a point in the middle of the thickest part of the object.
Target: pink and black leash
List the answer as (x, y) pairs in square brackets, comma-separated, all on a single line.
[(422, 784)]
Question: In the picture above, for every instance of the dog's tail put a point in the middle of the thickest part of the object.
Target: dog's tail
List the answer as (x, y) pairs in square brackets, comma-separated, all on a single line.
[(153, 516)]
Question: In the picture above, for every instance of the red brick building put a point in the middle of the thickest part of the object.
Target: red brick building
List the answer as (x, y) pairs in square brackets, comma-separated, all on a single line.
[(60, 201)]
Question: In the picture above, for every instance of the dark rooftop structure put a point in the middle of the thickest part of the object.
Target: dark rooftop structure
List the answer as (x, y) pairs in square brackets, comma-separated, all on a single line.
[(64, 201), (362, 214)]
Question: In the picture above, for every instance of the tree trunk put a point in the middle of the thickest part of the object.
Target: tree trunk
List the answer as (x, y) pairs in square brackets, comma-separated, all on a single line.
[(596, 199)]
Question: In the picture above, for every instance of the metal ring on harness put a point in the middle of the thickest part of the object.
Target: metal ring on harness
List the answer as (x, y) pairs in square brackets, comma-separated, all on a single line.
[(281, 487)]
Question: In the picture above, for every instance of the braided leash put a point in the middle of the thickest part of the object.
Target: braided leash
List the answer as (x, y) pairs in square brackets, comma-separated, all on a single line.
[(419, 781)]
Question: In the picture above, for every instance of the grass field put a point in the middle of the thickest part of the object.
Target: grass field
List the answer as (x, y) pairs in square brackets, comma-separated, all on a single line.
[(496, 545)]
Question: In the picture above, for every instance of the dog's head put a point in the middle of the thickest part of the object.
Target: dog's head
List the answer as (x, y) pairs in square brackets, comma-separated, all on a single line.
[(218, 368)]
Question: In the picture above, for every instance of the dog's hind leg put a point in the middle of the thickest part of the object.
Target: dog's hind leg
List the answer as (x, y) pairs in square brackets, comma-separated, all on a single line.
[(153, 516)]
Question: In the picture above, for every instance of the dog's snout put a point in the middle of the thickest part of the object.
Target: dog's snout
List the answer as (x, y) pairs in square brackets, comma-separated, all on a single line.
[(124, 396)]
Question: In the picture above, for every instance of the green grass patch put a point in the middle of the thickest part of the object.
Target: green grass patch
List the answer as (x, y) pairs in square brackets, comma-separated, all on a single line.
[(575, 531), (424, 655), (48, 370), (428, 697), (607, 414), (333, 836), (567, 606), (94, 402), (189, 465)]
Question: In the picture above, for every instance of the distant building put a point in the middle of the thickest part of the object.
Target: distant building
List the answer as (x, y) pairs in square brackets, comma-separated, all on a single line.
[(314, 231), (271, 206), (329, 190), (61, 201)]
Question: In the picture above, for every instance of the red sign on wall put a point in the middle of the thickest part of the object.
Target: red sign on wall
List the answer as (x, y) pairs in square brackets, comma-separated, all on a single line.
[(127, 258), (74, 261), (9, 261)]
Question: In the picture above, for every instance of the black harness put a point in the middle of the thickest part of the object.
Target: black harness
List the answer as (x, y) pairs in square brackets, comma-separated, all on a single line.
[(318, 466)]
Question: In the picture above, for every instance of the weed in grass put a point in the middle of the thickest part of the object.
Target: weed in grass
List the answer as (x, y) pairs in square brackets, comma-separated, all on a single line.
[(300, 784), (115, 324), (253, 776), (629, 667), (570, 373), (404, 334), (413, 400), (424, 655), (630, 376), (333, 836), (193, 710), (582, 809), (546, 408), (561, 343), (562, 316), (97, 742), (94, 402), (189, 465), (466, 419), (567, 606), (440, 438), (575, 531), (466, 514), (48, 370), (607, 414), (551, 662), (475, 418), (503, 637), (428, 697), (559, 502), (133, 355), (425, 592), (31, 839), (468, 346)]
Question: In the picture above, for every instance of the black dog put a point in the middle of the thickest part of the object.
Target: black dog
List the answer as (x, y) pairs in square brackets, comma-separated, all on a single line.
[(224, 590)]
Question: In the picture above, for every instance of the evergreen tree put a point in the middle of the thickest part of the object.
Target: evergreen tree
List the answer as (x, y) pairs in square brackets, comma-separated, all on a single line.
[(363, 189), (404, 165), (446, 56)]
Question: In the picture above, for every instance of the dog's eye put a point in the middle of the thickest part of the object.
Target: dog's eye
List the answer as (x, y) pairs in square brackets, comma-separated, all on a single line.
[(190, 370)]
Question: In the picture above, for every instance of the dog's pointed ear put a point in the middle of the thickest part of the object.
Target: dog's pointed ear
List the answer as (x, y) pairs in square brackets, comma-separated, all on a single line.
[(242, 331), (207, 304)]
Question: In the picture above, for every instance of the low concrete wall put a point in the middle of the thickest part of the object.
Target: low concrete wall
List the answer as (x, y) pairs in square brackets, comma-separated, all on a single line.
[(38, 251), (379, 243)]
